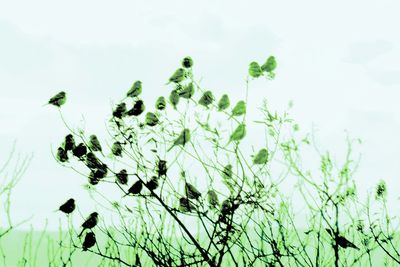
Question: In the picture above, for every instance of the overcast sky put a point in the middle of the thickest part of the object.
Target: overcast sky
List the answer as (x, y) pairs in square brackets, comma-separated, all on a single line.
[(338, 61)]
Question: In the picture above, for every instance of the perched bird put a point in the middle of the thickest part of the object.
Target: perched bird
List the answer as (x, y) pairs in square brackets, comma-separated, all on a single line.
[(178, 76), (226, 206), (239, 109), (90, 241), (90, 222), (341, 240), (223, 103), (261, 157), (212, 198), (185, 205), (137, 108), (182, 139), (239, 133), (68, 207), (120, 110), (153, 183), (116, 149), (98, 173), (160, 103), (94, 143), (62, 155), (187, 62), (161, 168), (59, 99), (135, 90), (186, 91), (227, 172), (135, 188), (92, 161), (269, 65), (255, 70), (122, 177), (206, 99), (80, 150), (69, 142), (151, 119), (191, 191), (174, 98)]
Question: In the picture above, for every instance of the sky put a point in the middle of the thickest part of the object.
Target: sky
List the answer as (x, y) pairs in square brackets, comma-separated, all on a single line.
[(337, 61)]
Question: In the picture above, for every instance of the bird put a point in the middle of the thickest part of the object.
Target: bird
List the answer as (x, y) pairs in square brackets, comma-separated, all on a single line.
[(174, 98), (135, 90), (187, 62), (91, 161), (116, 149), (152, 184), (135, 188), (161, 168), (68, 207), (178, 76), (137, 108), (62, 155), (212, 198), (89, 241), (191, 191), (224, 102), (59, 99), (261, 157), (160, 103), (94, 143), (206, 99), (185, 205), (151, 119), (120, 110), (122, 177), (227, 172), (239, 133), (69, 142), (269, 65), (90, 222), (341, 240), (239, 109), (226, 206), (79, 151), (255, 70), (187, 91), (182, 139)]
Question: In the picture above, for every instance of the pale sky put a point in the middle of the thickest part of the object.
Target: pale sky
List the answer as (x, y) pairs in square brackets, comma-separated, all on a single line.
[(338, 61)]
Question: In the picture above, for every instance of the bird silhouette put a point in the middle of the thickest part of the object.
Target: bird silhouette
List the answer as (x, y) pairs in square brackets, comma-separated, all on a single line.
[(116, 149), (341, 240), (135, 188), (191, 191), (92, 162), (68, 207), (80, 150), (137, 108), (261, 157), (178, 76), (206, 99), (135, 90), (62, 155), (174, 98), (122, 177), (255, 70), (90, 222), (89, 241), (69, 142), (182, 139), (152, 184), (160, 103), (151, 119), (94, 143), (187, 62), (239, 133), (223, 103), (239, 109), (269, 65), (59, 99), (120, 110), (185, 205), (186, 91), (212, 198), (161, 168)]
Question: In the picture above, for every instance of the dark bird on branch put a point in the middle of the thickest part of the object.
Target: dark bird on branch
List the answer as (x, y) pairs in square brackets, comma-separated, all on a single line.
[(94, 143), (135, 188), (62, 155), (90, 241), (68, 207), (90, 222), (137, 108), (69, 142), (341, 240), (192, 192), (80, 150), (59, 99)]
